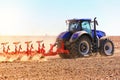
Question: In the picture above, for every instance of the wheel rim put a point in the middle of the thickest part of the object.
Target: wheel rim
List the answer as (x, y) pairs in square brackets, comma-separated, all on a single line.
[(108, 48), (84, 48)]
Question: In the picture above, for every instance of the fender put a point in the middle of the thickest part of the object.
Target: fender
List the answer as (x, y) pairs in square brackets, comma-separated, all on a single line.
[(64, 35), (76, 35), (102, 38)]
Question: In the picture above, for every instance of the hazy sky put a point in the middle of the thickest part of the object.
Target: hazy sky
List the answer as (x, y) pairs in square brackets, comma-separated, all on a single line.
[(40, 17)]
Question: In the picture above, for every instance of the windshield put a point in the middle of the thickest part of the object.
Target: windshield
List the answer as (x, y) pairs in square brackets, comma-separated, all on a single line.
[(74, 26)]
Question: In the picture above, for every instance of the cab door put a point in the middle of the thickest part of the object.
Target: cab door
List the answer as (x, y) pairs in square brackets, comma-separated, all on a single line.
[(86, 26)]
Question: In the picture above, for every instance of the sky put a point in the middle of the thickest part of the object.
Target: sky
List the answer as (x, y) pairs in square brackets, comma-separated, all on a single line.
[(47, 17)]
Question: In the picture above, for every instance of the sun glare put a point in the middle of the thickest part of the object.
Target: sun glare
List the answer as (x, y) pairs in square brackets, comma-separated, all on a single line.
[(8, 20)]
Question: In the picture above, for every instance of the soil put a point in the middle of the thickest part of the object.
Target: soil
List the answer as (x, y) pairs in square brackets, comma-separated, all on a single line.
[(92, 68), (54, 68)]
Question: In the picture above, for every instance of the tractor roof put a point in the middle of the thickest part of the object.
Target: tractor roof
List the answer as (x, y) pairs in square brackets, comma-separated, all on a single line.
[(77, 20)]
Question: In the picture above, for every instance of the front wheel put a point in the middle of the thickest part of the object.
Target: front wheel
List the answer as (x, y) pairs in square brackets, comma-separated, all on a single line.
[(106, 47)]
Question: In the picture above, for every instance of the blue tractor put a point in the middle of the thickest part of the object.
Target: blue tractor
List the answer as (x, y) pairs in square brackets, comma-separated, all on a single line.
[(81, 40)]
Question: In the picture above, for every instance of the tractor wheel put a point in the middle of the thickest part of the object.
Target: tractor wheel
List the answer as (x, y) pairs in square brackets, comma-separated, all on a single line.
[(106, 47), (82, 47), (64, 56)]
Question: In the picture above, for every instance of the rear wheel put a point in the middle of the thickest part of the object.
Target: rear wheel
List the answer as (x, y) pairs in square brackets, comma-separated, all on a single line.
[(71, 49), (106, 47), (82, 47), (64, 56)]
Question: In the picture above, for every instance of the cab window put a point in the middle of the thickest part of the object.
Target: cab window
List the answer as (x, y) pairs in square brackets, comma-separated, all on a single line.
[(86, 26)]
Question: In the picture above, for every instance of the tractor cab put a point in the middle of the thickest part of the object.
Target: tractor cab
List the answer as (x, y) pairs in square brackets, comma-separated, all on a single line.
[(75, 25)]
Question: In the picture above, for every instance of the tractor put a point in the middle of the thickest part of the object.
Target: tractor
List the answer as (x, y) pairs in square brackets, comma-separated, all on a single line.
[(82, 39)]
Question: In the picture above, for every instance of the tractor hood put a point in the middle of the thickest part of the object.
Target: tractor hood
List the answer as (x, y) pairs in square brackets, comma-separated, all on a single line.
[(99, 33)]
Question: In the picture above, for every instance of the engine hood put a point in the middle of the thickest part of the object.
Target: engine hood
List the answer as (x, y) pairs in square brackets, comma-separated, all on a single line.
[(99, 33)]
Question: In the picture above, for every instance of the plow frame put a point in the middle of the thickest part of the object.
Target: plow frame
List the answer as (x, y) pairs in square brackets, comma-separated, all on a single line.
[(29, 48)]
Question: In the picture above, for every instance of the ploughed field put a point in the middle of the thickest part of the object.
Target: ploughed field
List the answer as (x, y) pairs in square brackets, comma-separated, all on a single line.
[(54, 68)]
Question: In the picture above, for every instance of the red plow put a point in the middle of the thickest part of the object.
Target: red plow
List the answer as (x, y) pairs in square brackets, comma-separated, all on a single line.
[(30, 51)]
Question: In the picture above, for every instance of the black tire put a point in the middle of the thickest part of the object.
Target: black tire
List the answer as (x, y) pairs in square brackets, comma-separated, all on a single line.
[(64, 56), (82, 47), (106, 47), (71, 55)]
